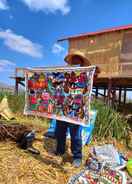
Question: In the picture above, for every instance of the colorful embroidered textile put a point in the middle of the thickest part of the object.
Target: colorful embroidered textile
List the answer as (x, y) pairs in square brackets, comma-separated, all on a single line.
[(106, 176), (60, 93)]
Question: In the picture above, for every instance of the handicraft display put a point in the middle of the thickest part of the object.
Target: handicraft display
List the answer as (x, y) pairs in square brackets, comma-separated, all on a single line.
[(62, 94), (104, 176)]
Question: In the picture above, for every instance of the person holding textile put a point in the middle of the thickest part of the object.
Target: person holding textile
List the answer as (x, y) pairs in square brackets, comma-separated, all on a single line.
[(76, 141)]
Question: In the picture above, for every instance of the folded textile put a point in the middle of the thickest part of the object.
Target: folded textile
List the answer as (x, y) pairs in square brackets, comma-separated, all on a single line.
[(101, 168), (107, 154)]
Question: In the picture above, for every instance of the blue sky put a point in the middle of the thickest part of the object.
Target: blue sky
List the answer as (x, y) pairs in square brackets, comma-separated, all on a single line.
[(29, 29)]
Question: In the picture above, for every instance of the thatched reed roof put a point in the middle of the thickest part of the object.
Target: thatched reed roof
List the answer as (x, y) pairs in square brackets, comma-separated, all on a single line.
[(120, 28)]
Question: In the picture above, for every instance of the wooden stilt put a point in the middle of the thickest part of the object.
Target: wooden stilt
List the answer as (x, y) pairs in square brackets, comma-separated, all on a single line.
[(125, 93), (97, 92), (16, 83), (16, 86), (104, 93), (120, 92)]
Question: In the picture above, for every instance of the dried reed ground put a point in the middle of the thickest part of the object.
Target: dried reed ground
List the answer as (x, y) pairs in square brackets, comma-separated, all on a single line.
[(20, 167)]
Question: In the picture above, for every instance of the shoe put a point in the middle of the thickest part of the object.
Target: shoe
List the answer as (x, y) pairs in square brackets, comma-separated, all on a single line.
[(33, 150), (77, 163)]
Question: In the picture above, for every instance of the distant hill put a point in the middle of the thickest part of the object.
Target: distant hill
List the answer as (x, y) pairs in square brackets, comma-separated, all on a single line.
[(9, 88)]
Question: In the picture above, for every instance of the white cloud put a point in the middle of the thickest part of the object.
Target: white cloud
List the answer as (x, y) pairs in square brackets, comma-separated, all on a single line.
[(48, 5), (57, 49), (21, 44), (3, 5), (6, 65)]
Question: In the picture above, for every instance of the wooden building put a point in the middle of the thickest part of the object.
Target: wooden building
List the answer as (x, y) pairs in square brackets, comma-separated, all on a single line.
[(111, 51)]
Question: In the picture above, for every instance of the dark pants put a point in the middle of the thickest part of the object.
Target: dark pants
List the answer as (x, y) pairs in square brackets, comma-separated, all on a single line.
[(76, 139)]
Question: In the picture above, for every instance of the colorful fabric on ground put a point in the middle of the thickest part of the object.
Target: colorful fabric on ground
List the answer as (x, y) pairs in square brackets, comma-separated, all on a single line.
[(106, 176), (62, 94)]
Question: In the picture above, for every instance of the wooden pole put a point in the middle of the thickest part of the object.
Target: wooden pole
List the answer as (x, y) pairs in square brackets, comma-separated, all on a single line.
[(16, 86), (125, 93), (97, 92), (114, 97), (120, 92), (16, 83), (104, 93)]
